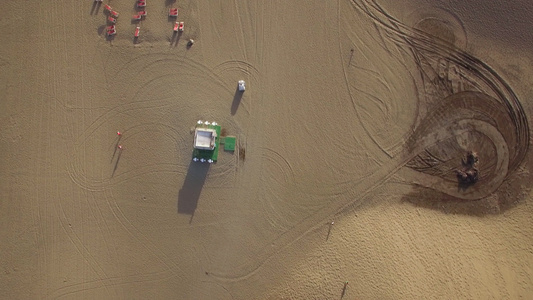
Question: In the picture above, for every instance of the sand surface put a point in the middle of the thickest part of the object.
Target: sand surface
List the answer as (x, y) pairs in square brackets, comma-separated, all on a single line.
[(356, 115)]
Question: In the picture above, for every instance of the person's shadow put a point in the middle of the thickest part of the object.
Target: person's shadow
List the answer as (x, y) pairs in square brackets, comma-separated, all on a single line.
[(192, 188), (236, 101)]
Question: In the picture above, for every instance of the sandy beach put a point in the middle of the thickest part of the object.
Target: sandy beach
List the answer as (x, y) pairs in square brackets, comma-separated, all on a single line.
[(345, 183)]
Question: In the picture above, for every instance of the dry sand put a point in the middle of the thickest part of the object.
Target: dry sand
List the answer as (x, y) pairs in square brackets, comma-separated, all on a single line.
[(350, 116)]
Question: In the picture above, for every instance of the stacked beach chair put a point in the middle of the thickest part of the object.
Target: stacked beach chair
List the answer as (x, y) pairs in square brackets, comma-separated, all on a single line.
[(173, 12), (111, 30)]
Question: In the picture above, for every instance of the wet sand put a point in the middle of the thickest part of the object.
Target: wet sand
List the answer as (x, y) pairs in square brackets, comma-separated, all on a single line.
[(355, 112)]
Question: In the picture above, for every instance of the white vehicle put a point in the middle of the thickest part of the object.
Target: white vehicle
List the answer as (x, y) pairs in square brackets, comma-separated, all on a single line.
[(242, 86)]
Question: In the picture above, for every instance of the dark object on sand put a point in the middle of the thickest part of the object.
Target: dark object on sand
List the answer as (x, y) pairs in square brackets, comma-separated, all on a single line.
[(468, 177), (242, 153), (470, 173)]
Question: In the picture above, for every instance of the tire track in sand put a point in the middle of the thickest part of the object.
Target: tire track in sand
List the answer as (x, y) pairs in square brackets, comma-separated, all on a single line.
[(423, 137)]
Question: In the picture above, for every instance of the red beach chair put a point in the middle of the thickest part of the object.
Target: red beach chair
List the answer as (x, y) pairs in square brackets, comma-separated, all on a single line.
[(107, 7), (180, 27), (111, 20), (137, 31), (137, 17), (176, 26), (141, 3), (114, 13), (142, 13), (173, 12)]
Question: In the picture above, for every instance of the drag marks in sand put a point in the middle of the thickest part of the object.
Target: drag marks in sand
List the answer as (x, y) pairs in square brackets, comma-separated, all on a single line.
[(451, 101), (276, 169), (165, 149), (445, 103), (138, 103), (106, 279), (238, 66), (464, 105), (93, 178), (239, 69)]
